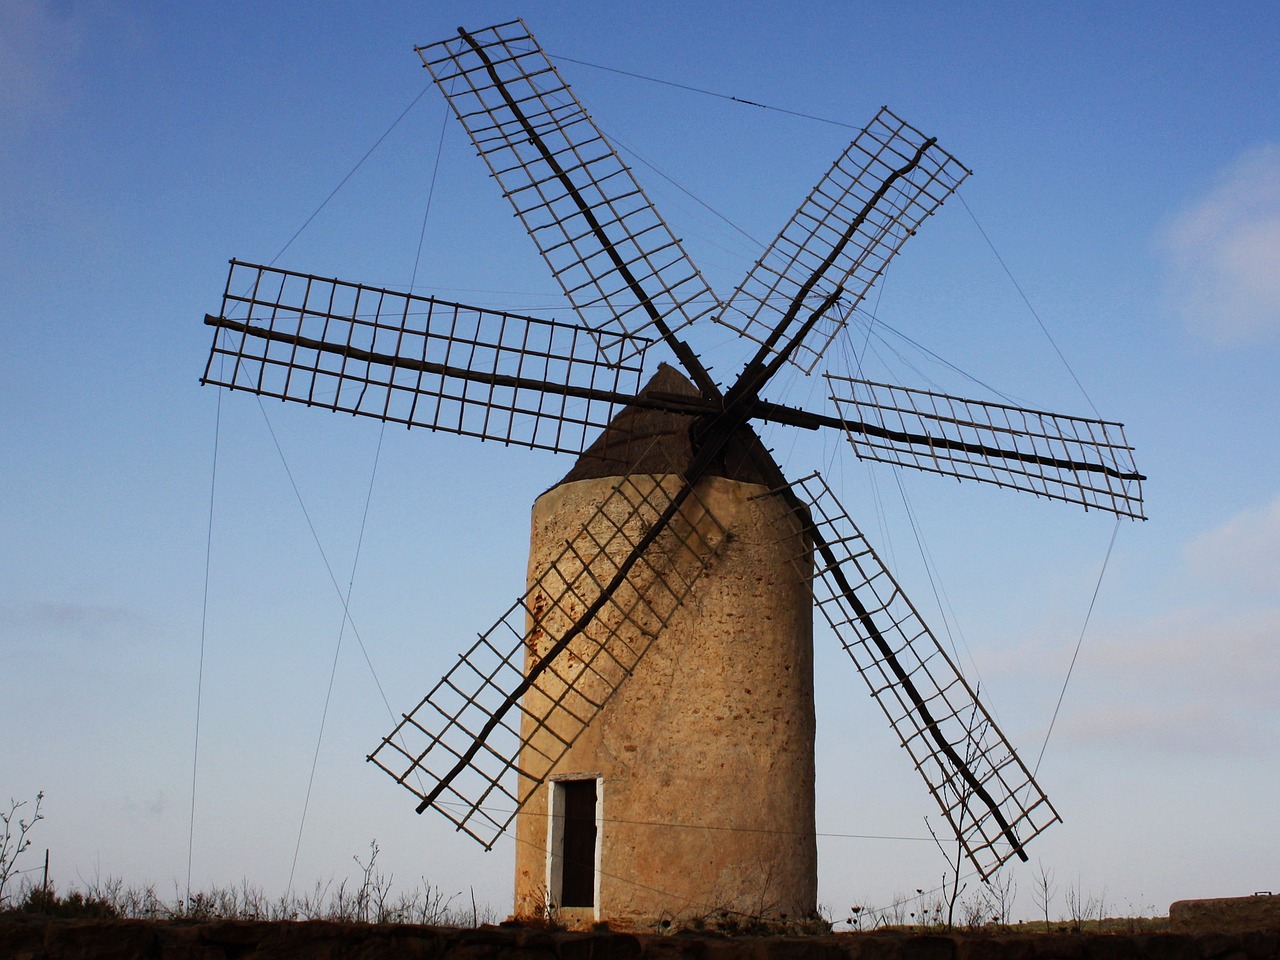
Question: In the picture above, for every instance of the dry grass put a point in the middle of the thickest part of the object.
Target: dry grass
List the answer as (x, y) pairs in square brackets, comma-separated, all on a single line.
[(371, 898), (355, 903)]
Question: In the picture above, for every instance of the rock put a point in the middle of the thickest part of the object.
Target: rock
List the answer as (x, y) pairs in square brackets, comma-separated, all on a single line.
[(1226, 914)]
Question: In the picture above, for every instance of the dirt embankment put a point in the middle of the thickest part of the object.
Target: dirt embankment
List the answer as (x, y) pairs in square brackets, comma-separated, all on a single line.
[(36, 938)]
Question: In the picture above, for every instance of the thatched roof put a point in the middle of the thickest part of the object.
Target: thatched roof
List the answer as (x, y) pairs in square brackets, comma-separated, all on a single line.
[(641, 440)]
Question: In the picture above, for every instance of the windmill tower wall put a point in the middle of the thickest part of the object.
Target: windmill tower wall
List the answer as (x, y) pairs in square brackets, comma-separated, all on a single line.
[(703, 762)]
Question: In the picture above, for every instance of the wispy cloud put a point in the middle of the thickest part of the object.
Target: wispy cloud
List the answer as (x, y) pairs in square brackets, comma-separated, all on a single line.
[(153, 809), (1243, 553), (1166, 729), (1200, 677), (1198, 680), (1224, 253), (37, 46), (53, 625)]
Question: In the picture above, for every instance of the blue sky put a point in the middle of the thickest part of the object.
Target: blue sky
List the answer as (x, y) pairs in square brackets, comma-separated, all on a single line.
[(1127, 171)]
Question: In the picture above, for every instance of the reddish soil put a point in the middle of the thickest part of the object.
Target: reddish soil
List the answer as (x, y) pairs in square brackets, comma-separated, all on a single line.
[(38, 938)]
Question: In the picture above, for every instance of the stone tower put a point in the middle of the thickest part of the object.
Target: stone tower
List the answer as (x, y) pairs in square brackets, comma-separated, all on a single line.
[(692, 790)]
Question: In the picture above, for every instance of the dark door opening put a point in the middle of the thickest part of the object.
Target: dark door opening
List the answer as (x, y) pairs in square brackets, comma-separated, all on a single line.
[(578, 845)]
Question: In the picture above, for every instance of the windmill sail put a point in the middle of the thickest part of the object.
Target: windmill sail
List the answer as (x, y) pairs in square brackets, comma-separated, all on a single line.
[(1051, 455), (414, 360), (843, 236), (612, 254), (988, 796), (495, 726)]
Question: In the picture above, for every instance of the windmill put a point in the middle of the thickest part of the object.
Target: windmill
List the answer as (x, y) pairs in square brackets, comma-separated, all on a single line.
[(676, 481)]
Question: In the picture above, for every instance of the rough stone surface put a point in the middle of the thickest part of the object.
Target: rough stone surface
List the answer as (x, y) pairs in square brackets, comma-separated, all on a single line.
[(1226, 914), (705, 755), (37, 938)]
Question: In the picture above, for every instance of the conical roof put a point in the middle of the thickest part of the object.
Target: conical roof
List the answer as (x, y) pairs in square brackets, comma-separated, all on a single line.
[(643, 440)]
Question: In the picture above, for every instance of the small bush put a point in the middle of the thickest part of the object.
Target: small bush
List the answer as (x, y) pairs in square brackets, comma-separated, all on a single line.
[(75, 905)]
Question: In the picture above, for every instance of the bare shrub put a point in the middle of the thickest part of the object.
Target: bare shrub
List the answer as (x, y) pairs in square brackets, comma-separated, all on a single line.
[(976, 910), (1003, 891), (15, 840), (1081, 909), (1044, 890)]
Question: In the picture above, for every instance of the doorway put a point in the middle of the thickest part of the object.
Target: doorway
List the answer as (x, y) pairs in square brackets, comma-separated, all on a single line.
[(573, 842)]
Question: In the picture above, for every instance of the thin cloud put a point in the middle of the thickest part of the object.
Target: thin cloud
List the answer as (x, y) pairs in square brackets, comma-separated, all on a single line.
[(1243, 553), (1204, 680), (1200, 678), (1168, 729), (1204, 676), (37, 48), (1204, 654), (46, 626), (1224, 253)]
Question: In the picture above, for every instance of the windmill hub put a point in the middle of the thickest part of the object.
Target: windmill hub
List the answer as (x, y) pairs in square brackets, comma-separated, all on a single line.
[(654, 440)]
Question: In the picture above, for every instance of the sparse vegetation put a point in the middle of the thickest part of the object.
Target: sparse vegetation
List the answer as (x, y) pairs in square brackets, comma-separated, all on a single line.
[(370, 901), (989, 908), (1044, 890), (372, 898), (1083, 909), (15, 841), (1002, 891)]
